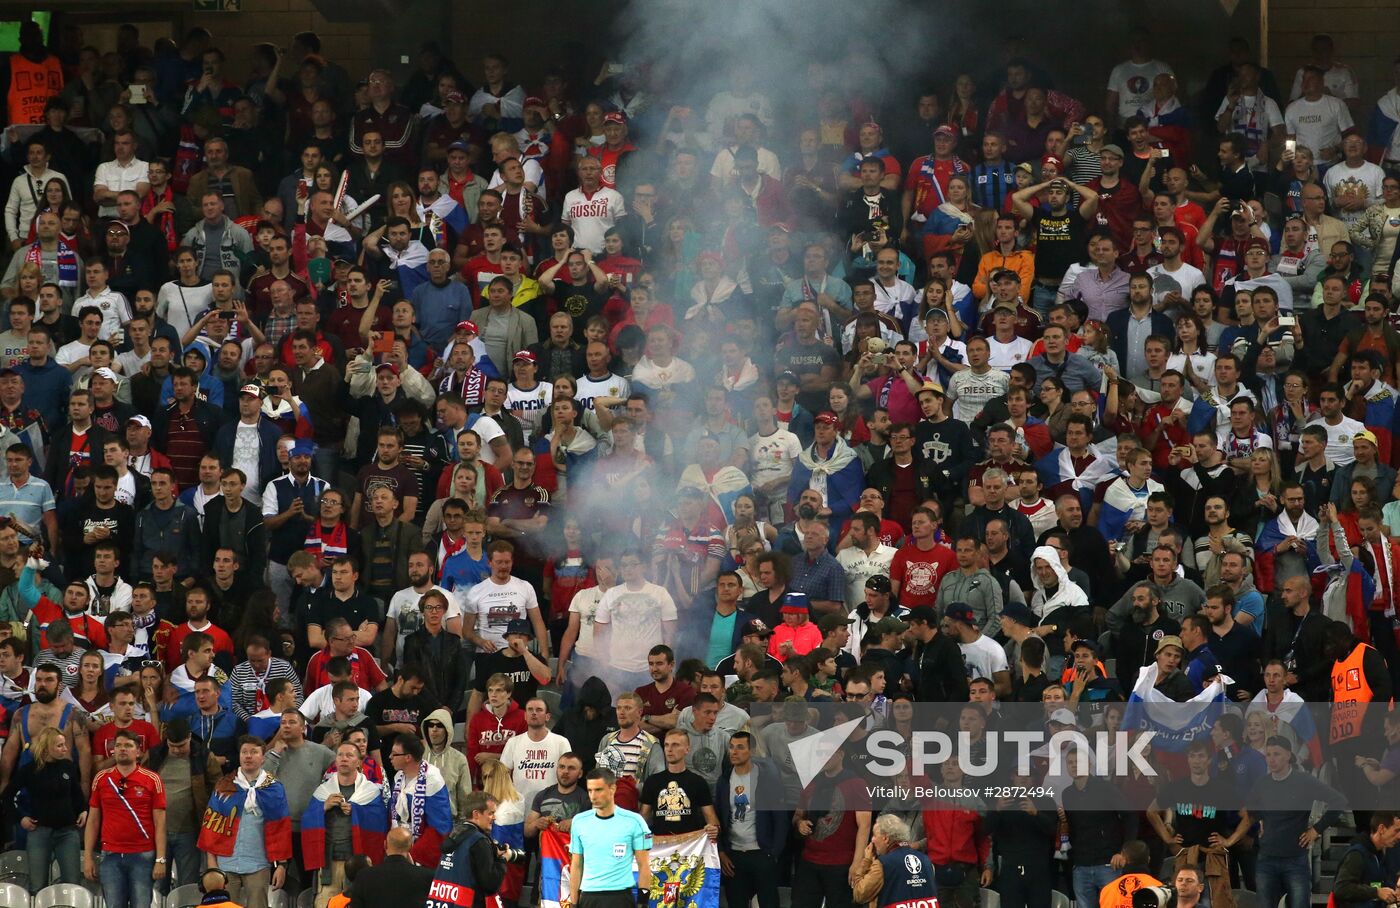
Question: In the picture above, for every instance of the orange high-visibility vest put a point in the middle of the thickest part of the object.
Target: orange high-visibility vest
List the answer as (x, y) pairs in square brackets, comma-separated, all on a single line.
[(31, 86), (1350, 694)]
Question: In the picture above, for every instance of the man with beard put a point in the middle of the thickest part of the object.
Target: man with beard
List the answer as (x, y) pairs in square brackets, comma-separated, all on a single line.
[(47, 711), (1179, 598), (1294, 634), (1135, 643), (1209, 476), (405, 616)]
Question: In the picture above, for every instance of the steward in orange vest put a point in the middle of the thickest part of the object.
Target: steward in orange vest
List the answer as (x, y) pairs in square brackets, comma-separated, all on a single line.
[(34, 76)]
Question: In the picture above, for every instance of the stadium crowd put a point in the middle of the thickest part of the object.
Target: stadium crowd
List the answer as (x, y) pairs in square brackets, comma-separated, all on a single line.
[(370, 445)]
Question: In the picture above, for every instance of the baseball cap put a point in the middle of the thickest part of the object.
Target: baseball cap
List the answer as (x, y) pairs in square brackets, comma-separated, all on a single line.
[(1169, 640), (1005, 274), (924, 614), (468, 326), (889, 625), (390, 366), (829, 623), (459, 145), (932, 387), (139, 420), (1019, 613), (1052, 160), (252, 390), (519, 626), (1063, 717), (525, 356), (453, 97), (936, 313), (1366, 435), (788, 376), (8, 372), (960, 611), (303, 448), (1026, 166), (1257, 243), (946, 130), (880, 583), (827, 418), (1085, 643), (534, 101), (106, 373), (779, 227), (756, 626), (1112, 149), (118, 227), (615, 116), (795, 603)]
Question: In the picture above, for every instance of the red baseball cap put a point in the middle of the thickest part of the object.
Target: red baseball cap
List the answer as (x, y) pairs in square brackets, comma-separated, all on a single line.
[(827, 418), (390, 366), (1051, 159), (468, 326), (525, 356), (945, 130), (615, 117)]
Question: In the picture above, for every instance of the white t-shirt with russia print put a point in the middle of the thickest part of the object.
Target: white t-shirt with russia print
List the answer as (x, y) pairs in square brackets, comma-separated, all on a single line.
[(592, 215), (773, 456), (634, 620), (496, 605)]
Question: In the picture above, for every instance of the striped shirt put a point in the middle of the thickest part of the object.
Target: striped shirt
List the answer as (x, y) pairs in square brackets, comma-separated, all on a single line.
[(249, 687), (27, 503), (992, 183)]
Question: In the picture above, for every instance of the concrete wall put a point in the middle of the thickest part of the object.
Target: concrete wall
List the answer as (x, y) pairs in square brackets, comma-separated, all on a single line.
[(1078, 41), (349, 43), (1367, 34)]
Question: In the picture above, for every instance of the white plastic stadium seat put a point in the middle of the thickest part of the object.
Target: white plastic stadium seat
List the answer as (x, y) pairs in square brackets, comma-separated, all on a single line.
[(13, 895), (1059, 899), (14, 867), (186, 896), (64, 895)]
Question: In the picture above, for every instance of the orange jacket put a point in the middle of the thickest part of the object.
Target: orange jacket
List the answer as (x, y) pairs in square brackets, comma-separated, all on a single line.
[(1021, 261)]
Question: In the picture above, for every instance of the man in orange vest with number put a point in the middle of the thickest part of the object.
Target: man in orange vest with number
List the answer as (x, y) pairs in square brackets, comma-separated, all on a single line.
[(1119, 893), (1361, 696), (33, 76)]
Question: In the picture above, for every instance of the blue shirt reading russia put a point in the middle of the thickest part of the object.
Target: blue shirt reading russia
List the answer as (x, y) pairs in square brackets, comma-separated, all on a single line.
[(608, 846)]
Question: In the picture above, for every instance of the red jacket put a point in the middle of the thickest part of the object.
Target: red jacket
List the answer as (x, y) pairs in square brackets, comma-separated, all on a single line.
[(488, 734), (956, 836)]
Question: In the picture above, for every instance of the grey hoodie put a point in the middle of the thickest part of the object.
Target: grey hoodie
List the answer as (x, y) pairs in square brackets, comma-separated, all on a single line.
[(979, 590), (1180, 599)]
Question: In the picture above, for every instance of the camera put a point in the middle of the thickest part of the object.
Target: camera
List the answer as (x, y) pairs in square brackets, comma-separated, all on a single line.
[(1155, 897), (509, 853)]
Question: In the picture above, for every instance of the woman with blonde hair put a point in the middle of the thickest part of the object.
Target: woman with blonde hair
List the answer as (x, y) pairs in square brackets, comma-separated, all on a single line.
[(509, 826), (1258, 500), (52, 809), (463, 486)]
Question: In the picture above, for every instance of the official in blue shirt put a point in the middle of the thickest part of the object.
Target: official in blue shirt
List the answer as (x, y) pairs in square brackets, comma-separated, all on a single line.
[(604, 843)]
